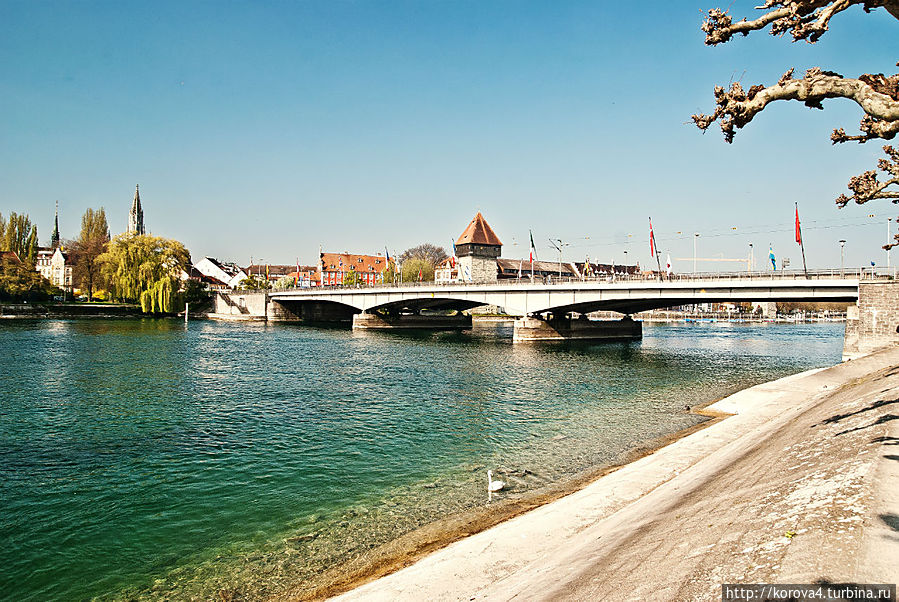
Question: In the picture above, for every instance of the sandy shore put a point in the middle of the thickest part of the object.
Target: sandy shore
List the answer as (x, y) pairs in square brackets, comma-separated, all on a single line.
[(800, 484)]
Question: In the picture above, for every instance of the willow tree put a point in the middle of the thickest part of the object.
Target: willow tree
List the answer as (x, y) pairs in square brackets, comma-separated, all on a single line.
[(145, 269), (87, 249), (875, 93), (19, 235)]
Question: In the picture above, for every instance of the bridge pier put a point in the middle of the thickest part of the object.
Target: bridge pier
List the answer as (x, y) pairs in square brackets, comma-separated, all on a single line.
[(563, 328), (373, 321)]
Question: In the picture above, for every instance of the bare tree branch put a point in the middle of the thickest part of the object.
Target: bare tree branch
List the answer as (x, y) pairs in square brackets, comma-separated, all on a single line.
[(877, 95), (804, 19), (866, 187)]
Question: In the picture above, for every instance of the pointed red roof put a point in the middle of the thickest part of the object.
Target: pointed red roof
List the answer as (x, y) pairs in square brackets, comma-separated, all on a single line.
[(479, 232)]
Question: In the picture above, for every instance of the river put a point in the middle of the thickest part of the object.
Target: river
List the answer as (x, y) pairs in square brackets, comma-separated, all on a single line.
[(153, 459)]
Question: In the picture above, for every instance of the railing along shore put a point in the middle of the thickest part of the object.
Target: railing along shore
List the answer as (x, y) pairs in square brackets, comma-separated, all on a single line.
[(860, 274)]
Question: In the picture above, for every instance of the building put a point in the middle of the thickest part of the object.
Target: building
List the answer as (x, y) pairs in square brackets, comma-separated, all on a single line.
[(136, 215), (10, 257), (60, 269), (54, 238), (275, 272), (446, 271), (42, 261), (223, 275), (477, 250), (515, 268), (333, 268)]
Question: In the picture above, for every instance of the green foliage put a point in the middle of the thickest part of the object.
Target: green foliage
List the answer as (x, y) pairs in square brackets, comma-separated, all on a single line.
[(389, 273), (253, 283), (20, 282), (86, 251), (411, 268), (285, 282), (352, 278), (194, 292), (145, 269), (19, 235)]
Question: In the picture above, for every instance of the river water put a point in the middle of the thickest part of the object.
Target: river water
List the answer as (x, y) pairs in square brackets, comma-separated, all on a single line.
[(149, 459)]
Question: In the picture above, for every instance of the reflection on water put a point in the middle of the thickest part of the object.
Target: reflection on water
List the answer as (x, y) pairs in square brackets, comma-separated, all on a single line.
[(151, 459)]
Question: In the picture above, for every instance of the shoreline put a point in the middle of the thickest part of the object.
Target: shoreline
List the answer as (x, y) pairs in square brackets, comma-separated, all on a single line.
[(431, 538), (459, 566)]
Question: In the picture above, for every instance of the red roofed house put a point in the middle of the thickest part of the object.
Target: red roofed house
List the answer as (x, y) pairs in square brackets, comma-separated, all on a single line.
[(478, 249), (333, 268)]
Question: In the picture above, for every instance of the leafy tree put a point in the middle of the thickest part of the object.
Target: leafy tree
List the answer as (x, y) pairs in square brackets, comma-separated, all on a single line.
[(145, 269), (20, 282), (194, 292), (411, 269), (432, 254), (389, 273), (19, 235), (352, 278), (284, 282), (253, 283), (876, 94), (86, 250)]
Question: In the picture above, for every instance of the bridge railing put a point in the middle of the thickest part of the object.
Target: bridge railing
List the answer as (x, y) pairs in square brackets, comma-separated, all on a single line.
[(861, 274)]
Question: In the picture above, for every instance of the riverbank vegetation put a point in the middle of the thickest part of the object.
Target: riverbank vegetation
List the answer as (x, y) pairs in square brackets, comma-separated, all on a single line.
[(145, 269), (19, 235), (86, 250)]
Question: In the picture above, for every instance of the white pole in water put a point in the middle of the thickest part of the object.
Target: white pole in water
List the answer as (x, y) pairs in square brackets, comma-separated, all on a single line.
[(186, 309)]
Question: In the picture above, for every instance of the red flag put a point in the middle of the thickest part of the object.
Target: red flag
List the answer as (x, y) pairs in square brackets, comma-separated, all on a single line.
[(419, 274), (798, 232), (652, 239)]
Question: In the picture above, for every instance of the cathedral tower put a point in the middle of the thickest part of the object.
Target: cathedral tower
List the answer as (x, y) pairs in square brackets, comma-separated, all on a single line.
[(136, 216), (54, 239)]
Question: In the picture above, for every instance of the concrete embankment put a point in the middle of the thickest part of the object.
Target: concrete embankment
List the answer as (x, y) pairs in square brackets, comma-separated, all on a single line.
[(799, 485), (69, 310)]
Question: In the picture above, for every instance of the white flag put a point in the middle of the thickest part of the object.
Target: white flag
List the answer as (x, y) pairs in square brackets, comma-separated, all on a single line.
[(668, 266)]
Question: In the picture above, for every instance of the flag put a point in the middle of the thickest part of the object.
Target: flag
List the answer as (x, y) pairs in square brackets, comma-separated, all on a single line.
[(298, 272), (419, 274), (533, 253), (798, 231), (668, 265), (520, 262), (652, 240), (453, 258), (387, 251), (771, 257)]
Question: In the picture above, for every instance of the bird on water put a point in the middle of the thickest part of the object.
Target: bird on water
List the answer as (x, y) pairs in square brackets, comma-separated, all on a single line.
[(493, 485)]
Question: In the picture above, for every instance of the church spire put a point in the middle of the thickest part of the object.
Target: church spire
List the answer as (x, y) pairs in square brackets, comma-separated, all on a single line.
[(54, 239), (136, 216)]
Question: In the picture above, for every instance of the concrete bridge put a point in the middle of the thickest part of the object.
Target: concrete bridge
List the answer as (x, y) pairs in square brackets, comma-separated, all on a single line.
[(548, 311)]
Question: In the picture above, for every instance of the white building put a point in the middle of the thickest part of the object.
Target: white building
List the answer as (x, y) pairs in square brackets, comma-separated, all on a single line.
[(228, 273)]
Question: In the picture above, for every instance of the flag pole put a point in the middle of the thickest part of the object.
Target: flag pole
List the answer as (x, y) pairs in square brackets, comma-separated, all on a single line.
[(801, 243)]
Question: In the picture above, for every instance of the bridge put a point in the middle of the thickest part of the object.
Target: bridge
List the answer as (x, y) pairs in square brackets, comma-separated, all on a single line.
[(550, 310)]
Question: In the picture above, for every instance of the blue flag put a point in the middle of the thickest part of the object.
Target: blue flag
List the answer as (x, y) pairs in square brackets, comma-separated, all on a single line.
[(771, 257)]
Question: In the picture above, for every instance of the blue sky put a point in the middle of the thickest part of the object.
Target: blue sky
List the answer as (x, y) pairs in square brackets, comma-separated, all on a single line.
[(267, 129)]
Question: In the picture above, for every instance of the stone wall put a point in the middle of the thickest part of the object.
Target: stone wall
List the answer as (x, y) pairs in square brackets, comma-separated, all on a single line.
[(874, 322), (482, 269), (239, 305)]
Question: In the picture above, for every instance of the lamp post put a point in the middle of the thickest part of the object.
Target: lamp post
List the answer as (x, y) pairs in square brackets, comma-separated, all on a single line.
[(842, 246), (695, 236), (889, 219), (558, 248)]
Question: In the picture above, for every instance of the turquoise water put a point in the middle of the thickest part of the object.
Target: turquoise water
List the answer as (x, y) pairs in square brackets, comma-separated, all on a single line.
[(149, 459)]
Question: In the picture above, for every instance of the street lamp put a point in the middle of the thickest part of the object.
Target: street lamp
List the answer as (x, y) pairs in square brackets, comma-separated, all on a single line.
[(695, 236), (889, 219), (842, 246), (558, 247)]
